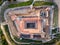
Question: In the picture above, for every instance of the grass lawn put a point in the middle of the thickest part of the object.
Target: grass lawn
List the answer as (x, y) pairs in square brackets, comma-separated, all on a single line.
[(21, 4), (40, 3), (55, 18)]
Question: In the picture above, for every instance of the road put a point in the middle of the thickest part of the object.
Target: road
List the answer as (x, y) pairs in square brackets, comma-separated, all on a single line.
[(58, 4)]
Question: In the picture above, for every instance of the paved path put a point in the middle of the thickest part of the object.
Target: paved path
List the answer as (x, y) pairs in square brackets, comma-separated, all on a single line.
[(58, 3)]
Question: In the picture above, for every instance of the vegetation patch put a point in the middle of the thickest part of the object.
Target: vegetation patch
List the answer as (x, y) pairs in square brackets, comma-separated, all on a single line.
[(53, 41), (1, 2), (8, 34), (41, 3), (20, 4), (54, 31), (28, 40), (57, 36), (55, 17), (2, 38)]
